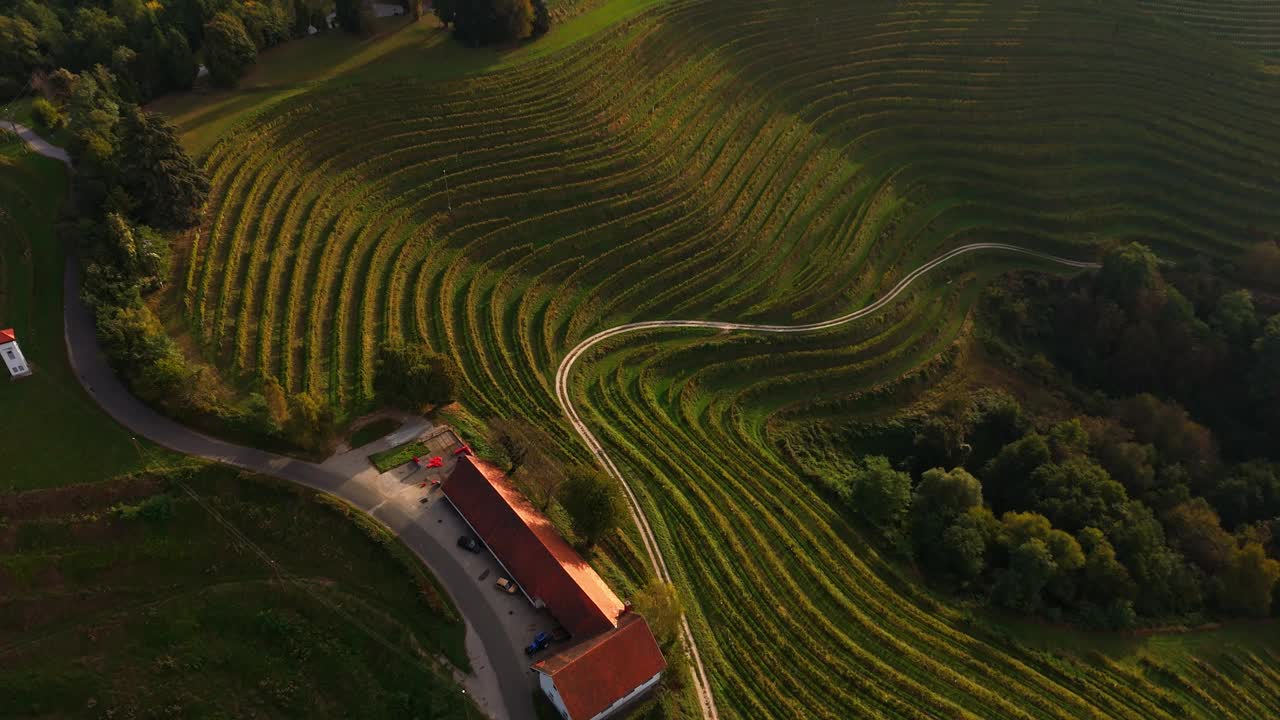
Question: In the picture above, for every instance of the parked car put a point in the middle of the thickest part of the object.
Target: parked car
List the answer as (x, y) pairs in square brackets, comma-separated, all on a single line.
[(470, 544), (506, 585), (540, 642), (559, 634)]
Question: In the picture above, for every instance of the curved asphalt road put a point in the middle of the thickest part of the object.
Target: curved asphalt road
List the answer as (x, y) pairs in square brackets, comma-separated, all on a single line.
[(700, 681), (100, 381)]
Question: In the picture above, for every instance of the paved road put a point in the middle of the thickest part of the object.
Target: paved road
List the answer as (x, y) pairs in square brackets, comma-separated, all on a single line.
[(97, 377), (701, 683), (35, 142), (101, 382)]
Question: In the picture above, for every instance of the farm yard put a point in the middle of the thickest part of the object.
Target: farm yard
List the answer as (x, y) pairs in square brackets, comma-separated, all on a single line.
[(778, 163)]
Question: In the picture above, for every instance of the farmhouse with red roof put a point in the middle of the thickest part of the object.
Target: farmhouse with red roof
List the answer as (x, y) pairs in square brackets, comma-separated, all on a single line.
[(12, 354), (615, 658)]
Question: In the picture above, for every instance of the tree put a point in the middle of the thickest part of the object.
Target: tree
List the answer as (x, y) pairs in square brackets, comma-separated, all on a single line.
[(940, 499), (169, 187), (660, 605), (311, 422), (541, 18), (1007, 477), (411, 377), (1265, 378), (47, 116), (1249, 493), (93, 36), (963, 550), (1031, 566), (482, 22), (518, 16), (1076, 493), (1105, 579), (593, 502), (880, 494), (525, 446), (349, 15), (228, 51), (19, 53), (179, 63), (1194, 529), (1248, 581), (1235, 318)]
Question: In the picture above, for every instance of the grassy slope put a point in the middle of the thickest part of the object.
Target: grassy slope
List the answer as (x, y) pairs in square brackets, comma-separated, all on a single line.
[(56, 434), (725, 159), (100, 614)]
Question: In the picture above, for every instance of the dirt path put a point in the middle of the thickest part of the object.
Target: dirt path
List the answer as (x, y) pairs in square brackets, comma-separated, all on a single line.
[(702, 684)]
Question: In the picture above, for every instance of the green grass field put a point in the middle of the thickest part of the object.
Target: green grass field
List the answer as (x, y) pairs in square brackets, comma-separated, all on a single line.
[(103, 615), (784, 162), (58, 435)]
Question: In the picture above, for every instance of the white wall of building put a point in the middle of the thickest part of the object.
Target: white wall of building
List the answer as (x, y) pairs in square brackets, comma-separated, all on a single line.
[(14, 360), (549, 688)]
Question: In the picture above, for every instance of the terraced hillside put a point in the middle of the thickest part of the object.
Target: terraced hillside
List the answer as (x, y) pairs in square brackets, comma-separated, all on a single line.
[(1250, 24), (776, 162)]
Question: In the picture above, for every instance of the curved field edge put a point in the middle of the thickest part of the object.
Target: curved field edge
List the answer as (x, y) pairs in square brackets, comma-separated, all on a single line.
[(731, 161)]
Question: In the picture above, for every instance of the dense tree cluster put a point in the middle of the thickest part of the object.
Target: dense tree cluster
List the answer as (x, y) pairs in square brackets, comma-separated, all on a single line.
[(1180, 332), (151, 47), (487, 22), (1163, 502), (132, 176)]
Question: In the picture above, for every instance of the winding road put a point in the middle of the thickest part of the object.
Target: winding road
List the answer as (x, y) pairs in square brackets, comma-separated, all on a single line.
[(701, 683), (102, 384)]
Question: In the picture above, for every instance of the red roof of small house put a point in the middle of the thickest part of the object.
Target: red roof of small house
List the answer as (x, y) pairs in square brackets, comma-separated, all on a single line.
[(593, 674), (528, 546), (7, 336)]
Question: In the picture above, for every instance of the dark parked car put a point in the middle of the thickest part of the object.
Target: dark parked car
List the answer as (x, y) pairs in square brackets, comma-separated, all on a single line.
[(466, 542)]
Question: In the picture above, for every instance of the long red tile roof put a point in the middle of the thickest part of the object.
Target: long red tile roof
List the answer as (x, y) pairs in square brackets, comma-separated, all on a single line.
[(527, 544), (593, 674)]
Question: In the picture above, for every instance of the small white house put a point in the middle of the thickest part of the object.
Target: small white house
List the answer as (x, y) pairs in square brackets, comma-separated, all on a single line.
[(12, 354)]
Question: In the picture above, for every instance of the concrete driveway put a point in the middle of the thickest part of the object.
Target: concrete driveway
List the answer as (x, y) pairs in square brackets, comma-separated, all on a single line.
[(408, 492)]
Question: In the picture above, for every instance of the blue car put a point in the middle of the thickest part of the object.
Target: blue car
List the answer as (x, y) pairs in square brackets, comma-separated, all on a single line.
[(540, 643)]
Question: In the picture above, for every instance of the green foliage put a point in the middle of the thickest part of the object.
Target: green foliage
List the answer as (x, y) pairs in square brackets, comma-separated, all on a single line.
[(880, 494), (311, 422), (47, 116), (1076, 493), (660, 606), (484, 22), (939, 500), (19, 54), (1195, 530), (158, 174), (1007, 478), (228, 51), (155, 509), (1249, 581), (594, 502), (412, 377)]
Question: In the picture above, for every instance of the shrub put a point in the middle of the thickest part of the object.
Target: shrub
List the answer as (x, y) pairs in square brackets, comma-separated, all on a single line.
[(47, 116)]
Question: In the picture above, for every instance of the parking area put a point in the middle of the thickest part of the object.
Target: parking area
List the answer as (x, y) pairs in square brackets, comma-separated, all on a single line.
[(416, 493)]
